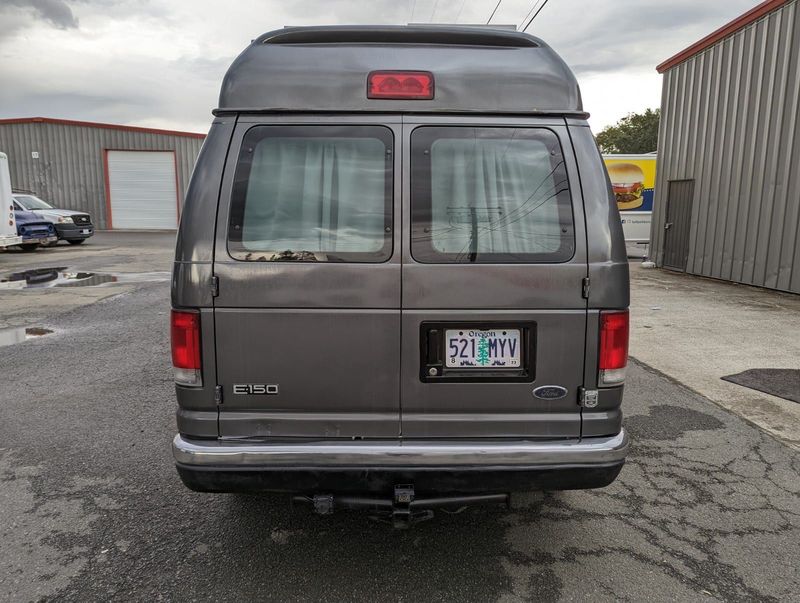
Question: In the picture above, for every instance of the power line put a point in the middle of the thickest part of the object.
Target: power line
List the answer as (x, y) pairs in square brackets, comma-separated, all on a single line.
[(536, 14), (413, 8), (433, 12), (530, 12), (460, 8), (496, 6)]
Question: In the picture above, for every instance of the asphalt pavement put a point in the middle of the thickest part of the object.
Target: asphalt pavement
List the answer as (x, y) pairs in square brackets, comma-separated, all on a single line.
[(698, 330), (124, 256), (707, 507)]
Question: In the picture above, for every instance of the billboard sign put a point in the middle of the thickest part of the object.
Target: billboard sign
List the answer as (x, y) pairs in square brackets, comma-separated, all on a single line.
[(633, 178)]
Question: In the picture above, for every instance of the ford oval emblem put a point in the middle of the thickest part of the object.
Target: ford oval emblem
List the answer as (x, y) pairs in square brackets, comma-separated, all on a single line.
[(550, 392)]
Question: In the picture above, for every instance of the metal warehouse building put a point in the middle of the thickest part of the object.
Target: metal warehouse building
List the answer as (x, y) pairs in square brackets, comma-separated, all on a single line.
[(125, 177), (727, 200)]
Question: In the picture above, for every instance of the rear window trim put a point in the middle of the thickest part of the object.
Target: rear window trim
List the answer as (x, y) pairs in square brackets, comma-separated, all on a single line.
[(381, 132), (503, 259)]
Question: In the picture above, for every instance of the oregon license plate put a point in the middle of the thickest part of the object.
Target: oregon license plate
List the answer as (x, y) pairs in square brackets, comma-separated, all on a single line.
[(478, 349)]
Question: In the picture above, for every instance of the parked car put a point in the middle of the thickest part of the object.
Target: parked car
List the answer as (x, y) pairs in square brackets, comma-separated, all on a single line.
[(400, 280), (72, 226), (34, 230)]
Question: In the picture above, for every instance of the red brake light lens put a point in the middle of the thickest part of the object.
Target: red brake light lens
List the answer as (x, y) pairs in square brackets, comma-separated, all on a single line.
[(405, 85), (613, 357), (614, 328), (185, 332)]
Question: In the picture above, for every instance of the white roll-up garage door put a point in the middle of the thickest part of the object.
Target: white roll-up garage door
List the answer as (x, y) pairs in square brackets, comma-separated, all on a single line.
[(142, 189)]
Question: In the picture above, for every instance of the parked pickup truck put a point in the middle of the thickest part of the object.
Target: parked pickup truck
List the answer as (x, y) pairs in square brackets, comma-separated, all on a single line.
[(34, 230), (72, 226)]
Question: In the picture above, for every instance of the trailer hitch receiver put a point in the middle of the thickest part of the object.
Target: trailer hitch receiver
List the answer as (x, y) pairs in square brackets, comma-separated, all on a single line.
[(403, 516), (403, 509)]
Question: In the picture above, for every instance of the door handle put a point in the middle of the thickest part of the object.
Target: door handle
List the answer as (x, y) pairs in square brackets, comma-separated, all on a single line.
[(668, 225)]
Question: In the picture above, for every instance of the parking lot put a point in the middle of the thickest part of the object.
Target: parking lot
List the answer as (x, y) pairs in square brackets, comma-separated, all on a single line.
[(706, 508)]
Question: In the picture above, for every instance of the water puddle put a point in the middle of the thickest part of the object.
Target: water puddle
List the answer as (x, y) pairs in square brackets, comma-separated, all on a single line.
[(41, 278), (20, 334)]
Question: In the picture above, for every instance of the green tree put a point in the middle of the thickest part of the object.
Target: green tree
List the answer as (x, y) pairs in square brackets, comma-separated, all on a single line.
[(483, 351), (635, 133)]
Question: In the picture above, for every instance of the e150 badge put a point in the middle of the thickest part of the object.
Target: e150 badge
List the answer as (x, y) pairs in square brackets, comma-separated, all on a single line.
[(255, 389)]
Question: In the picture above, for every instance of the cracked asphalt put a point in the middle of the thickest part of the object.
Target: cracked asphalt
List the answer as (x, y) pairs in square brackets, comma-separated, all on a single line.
[(707, 507)]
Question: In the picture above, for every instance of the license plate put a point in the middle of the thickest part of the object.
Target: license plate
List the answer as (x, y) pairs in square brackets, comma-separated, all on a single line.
[(477, 349), (86, 231)]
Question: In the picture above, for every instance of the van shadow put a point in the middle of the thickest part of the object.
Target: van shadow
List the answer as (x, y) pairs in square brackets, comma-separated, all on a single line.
[(348, 556)]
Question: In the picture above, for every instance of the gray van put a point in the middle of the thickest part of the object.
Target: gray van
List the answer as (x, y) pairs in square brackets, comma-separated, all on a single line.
[(400, 279)]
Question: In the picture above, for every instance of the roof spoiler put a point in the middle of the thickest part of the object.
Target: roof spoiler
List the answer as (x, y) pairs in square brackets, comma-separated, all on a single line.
[(414, 34)]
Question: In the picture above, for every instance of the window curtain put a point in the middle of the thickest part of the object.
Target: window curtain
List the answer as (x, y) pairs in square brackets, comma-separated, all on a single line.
[(316, 195), (494, 196)]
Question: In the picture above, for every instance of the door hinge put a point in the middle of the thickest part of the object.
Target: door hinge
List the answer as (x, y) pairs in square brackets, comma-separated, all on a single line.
[(588, 397), (214, 286), (585, 288), (218, 394)]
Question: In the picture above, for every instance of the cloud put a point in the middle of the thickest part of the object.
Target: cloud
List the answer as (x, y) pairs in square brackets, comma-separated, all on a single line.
[(625, 35), (161, 62), (55, 12)]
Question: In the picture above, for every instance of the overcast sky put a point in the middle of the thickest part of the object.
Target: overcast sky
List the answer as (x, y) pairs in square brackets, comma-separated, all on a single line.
[(159, 63)]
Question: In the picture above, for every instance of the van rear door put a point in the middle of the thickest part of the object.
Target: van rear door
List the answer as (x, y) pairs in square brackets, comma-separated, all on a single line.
[(307, 317), (493, 313)]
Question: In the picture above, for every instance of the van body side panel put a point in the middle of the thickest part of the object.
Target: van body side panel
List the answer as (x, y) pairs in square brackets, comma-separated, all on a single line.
[(318, 341), (194, 247), (195, 242), (608, 262), (191, 284), (606, 417), (546, 297), (197, 409), (191, 275), (608, 274)]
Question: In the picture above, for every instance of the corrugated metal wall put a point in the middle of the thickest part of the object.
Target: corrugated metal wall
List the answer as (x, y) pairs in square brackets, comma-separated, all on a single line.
[(730, 123), (69, 172)]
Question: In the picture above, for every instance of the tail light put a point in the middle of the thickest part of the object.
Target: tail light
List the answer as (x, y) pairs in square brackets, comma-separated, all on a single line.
[(613, 357), (185, 336)]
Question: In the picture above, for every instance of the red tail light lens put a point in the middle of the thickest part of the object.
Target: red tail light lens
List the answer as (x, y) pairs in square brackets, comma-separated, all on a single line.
[(613, 357), (406, 85), (186, 357)]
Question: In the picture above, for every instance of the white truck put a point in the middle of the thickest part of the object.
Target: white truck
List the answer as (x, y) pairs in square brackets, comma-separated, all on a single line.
[(633, 179), (8, 224)]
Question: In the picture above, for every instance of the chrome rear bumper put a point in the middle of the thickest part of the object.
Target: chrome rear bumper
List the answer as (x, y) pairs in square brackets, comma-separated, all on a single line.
[(374, 454)]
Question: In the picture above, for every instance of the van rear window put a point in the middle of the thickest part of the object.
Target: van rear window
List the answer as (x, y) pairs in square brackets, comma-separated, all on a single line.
[(489, 195), (313, 194)]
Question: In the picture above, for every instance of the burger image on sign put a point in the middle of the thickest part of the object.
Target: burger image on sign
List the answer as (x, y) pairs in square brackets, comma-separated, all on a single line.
[(627, 180)]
